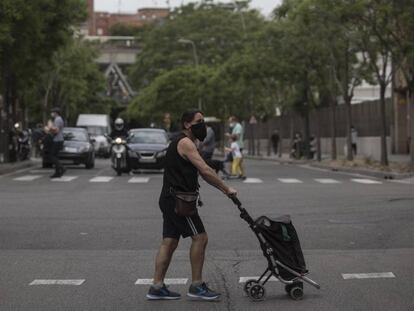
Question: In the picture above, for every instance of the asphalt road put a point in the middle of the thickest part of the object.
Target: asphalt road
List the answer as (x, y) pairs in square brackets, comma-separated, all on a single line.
[(97, 237)]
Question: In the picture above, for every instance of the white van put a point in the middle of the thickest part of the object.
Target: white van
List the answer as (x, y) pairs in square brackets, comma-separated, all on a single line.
[(98, 125)]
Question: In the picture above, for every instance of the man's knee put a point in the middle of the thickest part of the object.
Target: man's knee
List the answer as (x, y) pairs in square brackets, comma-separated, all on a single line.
[(201, 238), (170, 243)]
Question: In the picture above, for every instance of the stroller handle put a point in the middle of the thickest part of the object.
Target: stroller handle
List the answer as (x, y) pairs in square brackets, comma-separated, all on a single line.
[(235, 200)]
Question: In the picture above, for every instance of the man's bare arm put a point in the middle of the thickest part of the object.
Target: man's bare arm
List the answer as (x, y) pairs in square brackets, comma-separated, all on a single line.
[(188, 150)]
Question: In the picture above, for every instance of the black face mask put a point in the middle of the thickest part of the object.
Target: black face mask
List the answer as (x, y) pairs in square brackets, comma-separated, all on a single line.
[(199, 130)]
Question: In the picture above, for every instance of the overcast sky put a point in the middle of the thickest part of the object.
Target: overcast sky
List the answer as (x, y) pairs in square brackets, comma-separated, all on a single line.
[(266, 6)]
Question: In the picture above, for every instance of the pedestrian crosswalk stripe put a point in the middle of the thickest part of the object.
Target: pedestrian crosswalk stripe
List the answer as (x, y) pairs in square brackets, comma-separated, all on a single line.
[(253, 181), (327, 181), (166, 281), (290, 180), (101, 179), (65, 178), (366, 181), (57, 282), (139, 180), (348, 276), (28, 177), (244, 279)]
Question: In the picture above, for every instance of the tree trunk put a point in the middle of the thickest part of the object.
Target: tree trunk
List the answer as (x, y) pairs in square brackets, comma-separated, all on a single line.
[(384, 153), (307, 134), (350, 156), (333, 128), (318, 137), (281, 135), (411, 115), (269, 138)]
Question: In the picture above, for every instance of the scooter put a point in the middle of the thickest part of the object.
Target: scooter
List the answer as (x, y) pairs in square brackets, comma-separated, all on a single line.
[(119, 153)]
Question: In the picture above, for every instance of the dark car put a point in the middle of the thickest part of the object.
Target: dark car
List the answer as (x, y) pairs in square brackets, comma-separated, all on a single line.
[(78, 148), (147, 148)]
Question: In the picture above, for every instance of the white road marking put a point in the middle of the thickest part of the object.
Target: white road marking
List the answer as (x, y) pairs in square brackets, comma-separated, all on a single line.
[(290, 180), (348, 276), (327, 181), (57, 282), (244, 279), (253, 181), (65, 178), (366, 181), (28, 177), (139, 180), (407, 181), (43, 171), (101, 179), (166, 281)]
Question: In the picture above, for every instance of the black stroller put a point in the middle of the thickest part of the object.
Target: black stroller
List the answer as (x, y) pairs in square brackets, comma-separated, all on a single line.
[(280, 244)]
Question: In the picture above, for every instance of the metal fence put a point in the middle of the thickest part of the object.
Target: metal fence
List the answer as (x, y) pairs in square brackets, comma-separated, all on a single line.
[(366, 118)]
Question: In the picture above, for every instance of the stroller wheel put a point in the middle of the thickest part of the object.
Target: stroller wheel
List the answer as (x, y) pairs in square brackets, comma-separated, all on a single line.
[(290, 286), (296, 293), (249, 285), (257, 292)]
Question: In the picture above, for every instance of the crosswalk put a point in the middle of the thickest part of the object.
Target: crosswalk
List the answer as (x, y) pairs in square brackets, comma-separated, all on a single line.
[(250, 180), (185, 281)]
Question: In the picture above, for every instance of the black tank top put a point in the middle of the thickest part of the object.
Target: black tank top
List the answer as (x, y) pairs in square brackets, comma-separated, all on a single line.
[(179, 174)]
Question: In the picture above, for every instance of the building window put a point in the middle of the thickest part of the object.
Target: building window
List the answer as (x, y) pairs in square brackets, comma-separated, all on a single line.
[(100, 32)]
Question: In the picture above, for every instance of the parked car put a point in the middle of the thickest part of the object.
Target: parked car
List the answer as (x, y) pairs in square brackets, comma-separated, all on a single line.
[(97, 125), (147, 148), (78, 148)]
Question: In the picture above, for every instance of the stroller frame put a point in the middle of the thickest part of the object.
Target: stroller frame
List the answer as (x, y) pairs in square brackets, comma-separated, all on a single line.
[(254, 288)]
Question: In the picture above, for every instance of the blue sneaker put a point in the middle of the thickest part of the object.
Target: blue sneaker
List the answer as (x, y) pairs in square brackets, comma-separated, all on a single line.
[(162, 294), (202, 292)]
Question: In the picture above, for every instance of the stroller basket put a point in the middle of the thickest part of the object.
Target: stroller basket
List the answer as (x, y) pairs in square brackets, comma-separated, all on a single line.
[(281, 247), (281, 235)]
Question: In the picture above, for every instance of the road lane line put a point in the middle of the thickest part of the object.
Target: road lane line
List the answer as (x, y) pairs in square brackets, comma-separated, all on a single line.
[(349, 276), (65, 178), (244, 279), (327, 181), (57, 282), (166, 281), (28, 177), (253, 181), (101, 179), (366, 181), (290, 180), (139, 180)]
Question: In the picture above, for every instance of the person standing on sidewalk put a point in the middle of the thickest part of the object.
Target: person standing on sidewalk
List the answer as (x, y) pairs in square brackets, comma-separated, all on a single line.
[(56, 129), (354, 137), (275, 141), (238, 131), (182, 166)]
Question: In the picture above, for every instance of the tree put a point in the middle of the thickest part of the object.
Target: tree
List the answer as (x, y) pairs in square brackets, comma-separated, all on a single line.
[(30, 31), (73, 81)]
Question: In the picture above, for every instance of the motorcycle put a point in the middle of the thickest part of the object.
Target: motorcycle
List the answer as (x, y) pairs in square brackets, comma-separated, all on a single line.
[(23, 146), (119, 155)]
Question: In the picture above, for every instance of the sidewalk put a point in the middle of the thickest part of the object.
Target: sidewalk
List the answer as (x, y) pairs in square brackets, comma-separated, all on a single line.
[(399, 167), (6, 168)]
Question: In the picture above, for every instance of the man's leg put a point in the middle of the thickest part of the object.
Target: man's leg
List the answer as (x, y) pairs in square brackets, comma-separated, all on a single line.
[(163, 259), (197, 253)]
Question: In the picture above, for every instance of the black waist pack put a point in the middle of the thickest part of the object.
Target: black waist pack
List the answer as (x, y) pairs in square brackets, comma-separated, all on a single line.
[(186, 203)]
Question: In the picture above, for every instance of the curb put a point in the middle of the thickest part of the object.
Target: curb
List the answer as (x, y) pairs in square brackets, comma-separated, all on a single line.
[(361, 171), (12, 167)]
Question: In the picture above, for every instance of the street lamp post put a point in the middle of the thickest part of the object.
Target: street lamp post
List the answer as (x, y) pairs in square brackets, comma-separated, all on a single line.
[(186, 41)]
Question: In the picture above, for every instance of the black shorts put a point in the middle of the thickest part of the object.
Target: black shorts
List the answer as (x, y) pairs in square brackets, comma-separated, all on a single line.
[(175, 226)]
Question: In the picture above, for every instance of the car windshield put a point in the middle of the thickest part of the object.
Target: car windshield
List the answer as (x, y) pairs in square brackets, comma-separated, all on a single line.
[(148, 137), (96, 130), (75, 136)]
